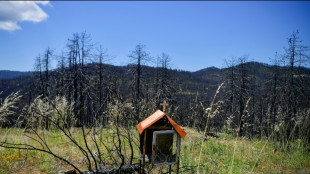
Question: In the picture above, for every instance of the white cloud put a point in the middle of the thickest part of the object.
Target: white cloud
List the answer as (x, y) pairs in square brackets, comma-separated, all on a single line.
[(44, 3), (9, 25), (13, 12)]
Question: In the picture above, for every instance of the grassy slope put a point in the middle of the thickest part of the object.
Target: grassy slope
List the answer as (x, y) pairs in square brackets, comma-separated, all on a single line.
[(222, 155)]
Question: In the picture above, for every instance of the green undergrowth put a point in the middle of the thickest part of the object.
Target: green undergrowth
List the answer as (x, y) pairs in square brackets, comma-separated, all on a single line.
[(226, 154)]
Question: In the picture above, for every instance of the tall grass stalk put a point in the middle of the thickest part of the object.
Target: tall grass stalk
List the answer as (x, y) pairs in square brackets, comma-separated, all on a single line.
[(232, 160), (239, 127), (288, 139), (206, 127), (261, 151)]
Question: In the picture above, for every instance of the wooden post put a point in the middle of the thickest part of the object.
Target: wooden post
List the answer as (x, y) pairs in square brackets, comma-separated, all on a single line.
[(164, 104), (144, 149), (178, 154), (178, 165), (139, 166), (153, 154)]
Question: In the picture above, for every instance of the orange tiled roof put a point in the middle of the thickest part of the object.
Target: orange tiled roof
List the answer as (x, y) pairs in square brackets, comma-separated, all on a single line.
[(154, 118)]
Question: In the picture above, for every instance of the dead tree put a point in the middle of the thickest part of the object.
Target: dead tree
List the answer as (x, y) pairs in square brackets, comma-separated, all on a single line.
[(60, 84), (38, 69), (80, 48), (253, 94), (242, 93), (165, 80), (295, 54), (74, 53), (273, 93), (231, 83), (139, 57), (100, 83), (46, 63)]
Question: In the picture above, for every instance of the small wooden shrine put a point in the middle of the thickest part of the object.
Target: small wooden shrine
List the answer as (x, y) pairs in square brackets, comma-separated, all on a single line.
[(160, 140)]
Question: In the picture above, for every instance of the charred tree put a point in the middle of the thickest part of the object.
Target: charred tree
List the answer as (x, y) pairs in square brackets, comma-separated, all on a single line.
[(139, 57)]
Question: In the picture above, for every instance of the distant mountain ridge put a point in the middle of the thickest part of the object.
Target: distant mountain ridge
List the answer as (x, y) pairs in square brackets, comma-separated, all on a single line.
[(8, 74)]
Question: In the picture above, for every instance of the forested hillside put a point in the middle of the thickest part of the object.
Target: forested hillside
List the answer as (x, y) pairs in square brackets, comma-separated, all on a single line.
[(188, 93)]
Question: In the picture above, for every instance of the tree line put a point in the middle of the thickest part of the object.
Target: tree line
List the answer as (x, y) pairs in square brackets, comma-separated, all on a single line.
[(80, 77)]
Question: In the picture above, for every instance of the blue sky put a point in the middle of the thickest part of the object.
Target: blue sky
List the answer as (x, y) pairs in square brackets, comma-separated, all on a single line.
[(195, 35)]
